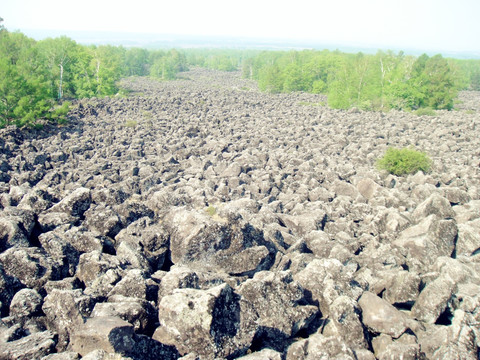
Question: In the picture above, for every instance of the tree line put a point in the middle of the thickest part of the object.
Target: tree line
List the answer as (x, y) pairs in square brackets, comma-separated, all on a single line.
[(37, 78), (383, 81)]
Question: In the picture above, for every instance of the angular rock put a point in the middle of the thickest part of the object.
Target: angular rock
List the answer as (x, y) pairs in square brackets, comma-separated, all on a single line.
[(319, 243), (381, 317), (405, 347), (48, 221), (428, 240), (368, 188), (137, 312), (326, 280), (458, 341), (133, 284), (152, 237), (102, 286), (318, 346), (210, 322), (9, 285), (95, 263), (264, 354), (65, 311), (179, 277), (131, 211), (435, 204), (238, 249), (290, 313), (16, 227), (131, 254), (196, 237), (32, 266), (433, 299), (301, 225), (61, 251), (468, 241), (26, 303), (457, 196), (85, 241), (104, 220), (146, 348), (34, 346), (403, 289), (75, 204), (110, 334), (67, 355), (344, 323)]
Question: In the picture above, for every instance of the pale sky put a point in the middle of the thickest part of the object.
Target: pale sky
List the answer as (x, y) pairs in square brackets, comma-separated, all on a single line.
[(446, 25)]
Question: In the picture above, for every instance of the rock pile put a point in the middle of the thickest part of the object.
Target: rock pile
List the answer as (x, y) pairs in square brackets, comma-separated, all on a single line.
[(202, 219)]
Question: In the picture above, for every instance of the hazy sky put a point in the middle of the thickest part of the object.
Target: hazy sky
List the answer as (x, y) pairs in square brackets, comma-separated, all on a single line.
[(448, 25)]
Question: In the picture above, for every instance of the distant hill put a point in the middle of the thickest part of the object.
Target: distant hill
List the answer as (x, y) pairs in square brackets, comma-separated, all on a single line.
[(162, 41)]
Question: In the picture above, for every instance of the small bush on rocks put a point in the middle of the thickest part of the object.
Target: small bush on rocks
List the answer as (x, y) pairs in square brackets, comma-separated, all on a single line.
[(425, 112), (404, 161)]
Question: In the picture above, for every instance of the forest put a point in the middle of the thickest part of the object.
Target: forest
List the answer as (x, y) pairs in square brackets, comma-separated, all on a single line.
[(38, 79)]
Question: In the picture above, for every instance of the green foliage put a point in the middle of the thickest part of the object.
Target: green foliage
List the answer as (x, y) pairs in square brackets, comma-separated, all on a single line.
[(404, 161), (211, 210), (371, 82), (165, 66), (131, 124), (425, 112)]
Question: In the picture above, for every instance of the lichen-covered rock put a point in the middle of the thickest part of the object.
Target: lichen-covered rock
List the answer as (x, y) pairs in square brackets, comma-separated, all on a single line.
[(433, 299), (457, 341), (16, 227), (31, 265), (326, 280), (468, 240), (153, 239), (9, 285), (25, 303), (428, 240), (34, 346), (280, 304), (75, 204), (67, 355), (61, 251), (111, 334), (65, 311), (221, 190), (238, 249), (435, 204), (104, 220), (95, 263), (264, 354), (318, 346), (211, 323), (344, 323), (137, 312)]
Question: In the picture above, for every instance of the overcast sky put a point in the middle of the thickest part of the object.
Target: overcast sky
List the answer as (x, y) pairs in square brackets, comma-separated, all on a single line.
[(444, 25)]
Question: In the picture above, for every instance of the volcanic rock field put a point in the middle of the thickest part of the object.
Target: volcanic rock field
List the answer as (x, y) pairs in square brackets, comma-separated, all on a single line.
[(203, 219)]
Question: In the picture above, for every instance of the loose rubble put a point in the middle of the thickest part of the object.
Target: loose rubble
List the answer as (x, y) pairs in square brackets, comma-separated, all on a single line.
[(202, 219)]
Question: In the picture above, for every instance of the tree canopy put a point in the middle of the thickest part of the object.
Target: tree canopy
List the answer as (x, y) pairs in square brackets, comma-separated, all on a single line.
[(37, 78)]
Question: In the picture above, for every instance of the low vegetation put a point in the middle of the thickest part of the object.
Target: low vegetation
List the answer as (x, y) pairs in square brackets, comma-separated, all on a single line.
[(404, 161), (37, 77)]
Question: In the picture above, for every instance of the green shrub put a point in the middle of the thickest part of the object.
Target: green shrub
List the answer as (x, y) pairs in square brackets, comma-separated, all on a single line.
[(404, 161), (130, 123), (211, 210), (425, 111)]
